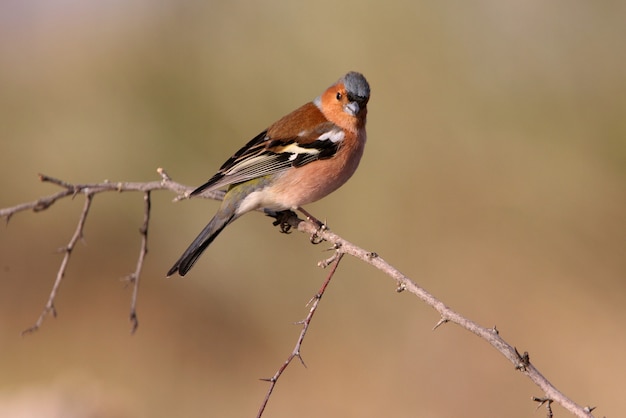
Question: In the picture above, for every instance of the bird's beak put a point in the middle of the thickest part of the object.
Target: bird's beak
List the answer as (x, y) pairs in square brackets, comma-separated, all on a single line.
[(352, 108)]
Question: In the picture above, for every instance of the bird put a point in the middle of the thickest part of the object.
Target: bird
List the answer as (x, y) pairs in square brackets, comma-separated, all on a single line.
[(297, 160)]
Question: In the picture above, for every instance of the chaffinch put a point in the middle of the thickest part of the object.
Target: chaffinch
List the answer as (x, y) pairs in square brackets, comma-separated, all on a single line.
[(299, 159)]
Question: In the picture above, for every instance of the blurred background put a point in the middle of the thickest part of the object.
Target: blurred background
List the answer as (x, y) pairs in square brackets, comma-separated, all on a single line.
[(494, 176)]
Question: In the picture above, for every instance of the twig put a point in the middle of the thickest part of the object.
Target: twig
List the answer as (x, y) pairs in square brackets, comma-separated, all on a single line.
[(78, 234), (45, 202), (314, 302), (134, 277), (90, 190)]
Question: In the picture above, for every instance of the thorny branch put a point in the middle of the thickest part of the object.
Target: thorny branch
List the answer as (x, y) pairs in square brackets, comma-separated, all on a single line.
[(314, 302), (521, 362), (134, 277), (78, 234), (90, 190)]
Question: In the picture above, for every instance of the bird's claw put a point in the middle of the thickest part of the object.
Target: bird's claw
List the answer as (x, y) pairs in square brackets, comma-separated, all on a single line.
[(316, 236), (282, 220)]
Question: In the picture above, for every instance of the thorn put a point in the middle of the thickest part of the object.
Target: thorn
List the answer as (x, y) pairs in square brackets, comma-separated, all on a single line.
[(546, 401), (134, 323), (128, 279), (268, 379), (315, 297), (589, 409), (401, 287), (541, 400), (524, 360), (301, 359), (333, 247), (28, 331), (495, 330), (325, 263), (163, 174), (440, 323)]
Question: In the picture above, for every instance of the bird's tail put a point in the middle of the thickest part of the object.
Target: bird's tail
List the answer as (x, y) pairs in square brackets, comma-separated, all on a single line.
[(202, 241)]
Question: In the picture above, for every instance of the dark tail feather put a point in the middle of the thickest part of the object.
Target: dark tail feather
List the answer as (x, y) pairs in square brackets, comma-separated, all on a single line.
[(197, 247)]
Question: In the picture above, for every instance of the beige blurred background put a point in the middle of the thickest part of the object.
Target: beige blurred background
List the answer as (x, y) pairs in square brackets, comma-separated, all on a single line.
[(495, 176)]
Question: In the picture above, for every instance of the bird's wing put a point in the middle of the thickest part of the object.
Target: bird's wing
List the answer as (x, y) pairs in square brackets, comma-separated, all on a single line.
[(266, 155)]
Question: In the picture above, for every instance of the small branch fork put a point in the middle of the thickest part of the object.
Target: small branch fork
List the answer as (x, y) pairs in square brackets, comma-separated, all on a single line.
[(314, 302), (90, 190), (287, 222)]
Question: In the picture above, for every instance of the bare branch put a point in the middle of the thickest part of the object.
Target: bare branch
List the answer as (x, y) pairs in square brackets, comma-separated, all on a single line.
[(287, 221), (314, 302), (491, 335), (90, 190), (134, 277), (45, 202), (78, 234)]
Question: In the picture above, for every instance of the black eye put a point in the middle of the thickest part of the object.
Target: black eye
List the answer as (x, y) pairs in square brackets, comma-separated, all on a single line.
[(339, 95)]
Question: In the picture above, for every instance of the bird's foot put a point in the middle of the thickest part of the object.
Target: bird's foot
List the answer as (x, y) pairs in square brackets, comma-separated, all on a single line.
[(282, 219)]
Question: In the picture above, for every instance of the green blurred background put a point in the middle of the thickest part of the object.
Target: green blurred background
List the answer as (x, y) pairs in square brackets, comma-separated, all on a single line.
[(495, 176)]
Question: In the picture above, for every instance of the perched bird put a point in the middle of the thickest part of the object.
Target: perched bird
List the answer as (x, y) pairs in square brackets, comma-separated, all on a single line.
[(299, 159)]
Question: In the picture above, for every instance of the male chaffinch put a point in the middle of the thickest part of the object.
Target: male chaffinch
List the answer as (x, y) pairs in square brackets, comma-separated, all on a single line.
[(299, 159)]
